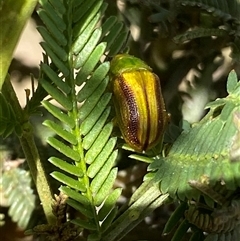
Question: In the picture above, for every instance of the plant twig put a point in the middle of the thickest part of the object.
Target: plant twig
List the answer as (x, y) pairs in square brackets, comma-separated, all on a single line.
[(31, 152), (149, 200)]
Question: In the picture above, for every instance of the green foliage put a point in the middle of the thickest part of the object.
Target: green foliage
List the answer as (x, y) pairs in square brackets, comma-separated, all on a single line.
[(227, 10), (203, 150), (7, 118), (75, 46), (199, 167), (218, 18), (16, 185), (201, 158)]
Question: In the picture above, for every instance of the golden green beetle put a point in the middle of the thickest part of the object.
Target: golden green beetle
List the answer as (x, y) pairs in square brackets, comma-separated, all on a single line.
[(138, 101)]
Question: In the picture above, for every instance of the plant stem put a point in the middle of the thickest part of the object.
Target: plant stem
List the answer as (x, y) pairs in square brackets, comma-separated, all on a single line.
[(31, 152), (13, 17), (139, 209)]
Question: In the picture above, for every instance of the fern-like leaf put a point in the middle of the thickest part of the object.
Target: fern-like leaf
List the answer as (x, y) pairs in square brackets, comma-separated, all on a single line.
[(16, 184), (203, 151), (223, 9), (199, 33), (83, 133)]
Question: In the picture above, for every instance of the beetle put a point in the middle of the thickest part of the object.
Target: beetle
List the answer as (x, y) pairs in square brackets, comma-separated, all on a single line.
[(139, 105)]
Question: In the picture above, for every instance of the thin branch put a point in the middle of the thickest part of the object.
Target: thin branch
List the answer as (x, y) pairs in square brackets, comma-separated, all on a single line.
[(31, 152), (149, 201)]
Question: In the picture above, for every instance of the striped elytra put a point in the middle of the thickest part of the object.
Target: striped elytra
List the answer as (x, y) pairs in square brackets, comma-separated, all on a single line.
[(139, 106)]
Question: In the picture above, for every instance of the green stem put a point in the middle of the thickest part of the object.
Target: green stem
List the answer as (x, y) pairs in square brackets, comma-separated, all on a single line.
[(13, 17), (139, 209), (31, 152)]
